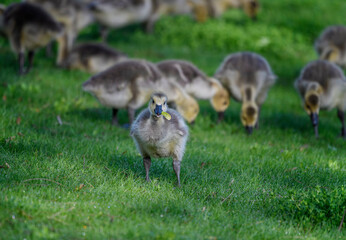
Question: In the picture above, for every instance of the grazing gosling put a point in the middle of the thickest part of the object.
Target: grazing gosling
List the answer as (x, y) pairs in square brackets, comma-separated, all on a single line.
[(218, 7), (129, 85), (196, 83), (160, 132), (322, 85), (331, 45), (247, 76), (117, 14), (74, 15), (93, 57), (28, 28)]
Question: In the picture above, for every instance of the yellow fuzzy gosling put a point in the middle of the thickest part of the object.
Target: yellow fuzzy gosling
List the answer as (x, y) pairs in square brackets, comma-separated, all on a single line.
[(196, 83), (159, 132), (322, 85), (248, 77)]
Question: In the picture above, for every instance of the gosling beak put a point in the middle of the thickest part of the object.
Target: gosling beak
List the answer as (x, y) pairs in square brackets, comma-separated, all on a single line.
[(158, 110), (314, 121), (249, 129)]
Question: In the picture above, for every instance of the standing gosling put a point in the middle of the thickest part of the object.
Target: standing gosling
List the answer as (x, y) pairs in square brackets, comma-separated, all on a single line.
[(248, 77), (160, 132), (28, 28), (322, 85), (196, 83), (331, 45), (74, 15), (129, 85), (218, 7), (93, 57)]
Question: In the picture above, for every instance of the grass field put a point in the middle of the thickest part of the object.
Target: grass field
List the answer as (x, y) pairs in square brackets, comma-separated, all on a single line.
[(85, 180)]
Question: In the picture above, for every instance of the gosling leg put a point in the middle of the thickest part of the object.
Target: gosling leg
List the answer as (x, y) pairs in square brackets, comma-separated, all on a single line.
[(104, 33), (21, 60), (115, 117), (131, 114), (221, 117), (147, 164), (341, 116), (49, 50), (31, 55), (176, 167)]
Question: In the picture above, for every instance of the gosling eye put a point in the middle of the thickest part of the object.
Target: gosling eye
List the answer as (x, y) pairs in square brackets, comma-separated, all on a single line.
[(152, 101)]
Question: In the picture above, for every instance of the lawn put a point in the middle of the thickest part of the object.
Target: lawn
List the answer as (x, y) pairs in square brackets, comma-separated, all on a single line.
[(84, 179)]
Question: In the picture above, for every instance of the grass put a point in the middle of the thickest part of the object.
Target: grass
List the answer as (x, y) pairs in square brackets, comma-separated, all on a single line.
[(85, 180)]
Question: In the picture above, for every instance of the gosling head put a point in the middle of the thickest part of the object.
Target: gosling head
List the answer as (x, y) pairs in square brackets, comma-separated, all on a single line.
[(220, 100), (249, 116), (158, 105), (251, 8), (312, 107)]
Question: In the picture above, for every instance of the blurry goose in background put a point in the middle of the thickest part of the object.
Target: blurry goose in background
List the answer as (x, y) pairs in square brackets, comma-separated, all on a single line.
[(247, 76), (93, 57), (28, 28), (331, 45), (218, 7), (120, 13), (74, 15), (194, 8), (322, 85), (159, 132), (129, 85), (196, 83)]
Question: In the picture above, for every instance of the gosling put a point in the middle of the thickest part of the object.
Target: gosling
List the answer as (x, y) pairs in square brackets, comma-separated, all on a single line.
[(247, 76), (28, 28), (74, 15), (218, 7), (196, 83), (93, 57), (322, 85), (159, 132), (129, 85), (331, 45), (194, 8), (117, 14)]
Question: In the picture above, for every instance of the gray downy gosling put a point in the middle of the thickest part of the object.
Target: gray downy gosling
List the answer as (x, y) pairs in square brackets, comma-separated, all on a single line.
[(129, 85), (196, 83), (93, 57), (248, 77), (331, 45), (117, 14), (74, 15), (28, 27), (322, 85), (159, 132)]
